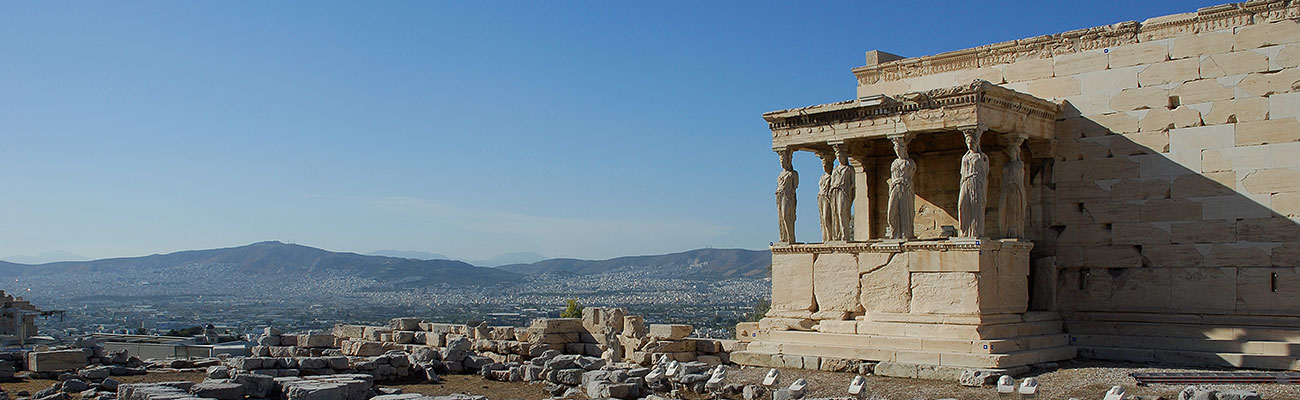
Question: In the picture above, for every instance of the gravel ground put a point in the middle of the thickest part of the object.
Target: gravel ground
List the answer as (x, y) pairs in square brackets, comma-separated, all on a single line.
[(1087, 380), (35, 385), (1082, 379)]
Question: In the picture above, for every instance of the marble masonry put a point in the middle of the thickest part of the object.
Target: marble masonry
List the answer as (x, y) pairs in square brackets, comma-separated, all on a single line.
[(1126, 192)]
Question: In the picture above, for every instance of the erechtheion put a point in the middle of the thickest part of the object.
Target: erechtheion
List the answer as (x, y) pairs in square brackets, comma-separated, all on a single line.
[(1125, 192)]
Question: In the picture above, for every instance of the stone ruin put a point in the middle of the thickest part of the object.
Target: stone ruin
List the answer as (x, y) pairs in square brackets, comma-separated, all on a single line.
[(1124, 192), (606, 354), (608, 333), (17, 318)]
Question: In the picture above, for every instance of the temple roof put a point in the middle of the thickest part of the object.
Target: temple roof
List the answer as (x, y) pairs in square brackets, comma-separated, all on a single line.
[(978, 103)]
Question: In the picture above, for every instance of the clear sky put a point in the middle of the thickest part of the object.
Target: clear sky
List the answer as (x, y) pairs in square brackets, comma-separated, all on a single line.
[(579, 129)]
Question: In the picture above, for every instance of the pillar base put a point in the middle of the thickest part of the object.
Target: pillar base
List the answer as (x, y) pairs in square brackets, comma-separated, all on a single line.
[(959, 302)]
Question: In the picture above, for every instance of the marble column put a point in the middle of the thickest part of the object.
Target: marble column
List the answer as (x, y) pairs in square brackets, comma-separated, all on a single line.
[(1012, 205), (973, 195), (786, 184), (864, 168)]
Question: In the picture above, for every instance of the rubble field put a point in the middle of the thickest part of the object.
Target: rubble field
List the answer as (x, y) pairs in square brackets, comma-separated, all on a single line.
[(1079, 379)]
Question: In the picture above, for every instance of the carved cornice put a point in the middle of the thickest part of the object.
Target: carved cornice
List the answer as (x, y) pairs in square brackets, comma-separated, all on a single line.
[(979, 92), (1207, 19), (898, 247)]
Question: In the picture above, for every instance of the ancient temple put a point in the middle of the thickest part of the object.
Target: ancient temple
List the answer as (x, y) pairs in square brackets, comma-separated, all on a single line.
[(1126, 192)]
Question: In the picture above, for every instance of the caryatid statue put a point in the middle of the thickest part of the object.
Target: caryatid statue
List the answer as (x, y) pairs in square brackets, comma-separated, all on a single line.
[(1011, 206), (825, 206), (900, 211), (786, 183), (973, 194), (842, 195)]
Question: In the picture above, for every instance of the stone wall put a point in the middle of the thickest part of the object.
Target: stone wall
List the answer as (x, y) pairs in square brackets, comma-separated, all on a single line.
[(1175, 186), (1177, 166)]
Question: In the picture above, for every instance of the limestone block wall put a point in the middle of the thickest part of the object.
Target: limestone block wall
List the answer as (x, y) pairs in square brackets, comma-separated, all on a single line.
[(818, 284), (1175, 186)]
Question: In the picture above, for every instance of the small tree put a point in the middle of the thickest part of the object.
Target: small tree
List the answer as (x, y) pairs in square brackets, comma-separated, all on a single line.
[(573, 310), (760, 309)]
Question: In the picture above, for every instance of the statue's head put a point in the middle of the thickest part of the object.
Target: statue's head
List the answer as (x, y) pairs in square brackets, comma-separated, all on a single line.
[(828, 163), (841, 153), (785, 158), (972, 139), (900, 146)]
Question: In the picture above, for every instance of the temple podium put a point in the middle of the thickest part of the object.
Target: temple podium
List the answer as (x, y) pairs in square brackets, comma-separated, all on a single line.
[(888, 283)]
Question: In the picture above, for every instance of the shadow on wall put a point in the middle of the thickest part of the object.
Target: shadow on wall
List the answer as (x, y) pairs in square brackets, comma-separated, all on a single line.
[(1174, 221)]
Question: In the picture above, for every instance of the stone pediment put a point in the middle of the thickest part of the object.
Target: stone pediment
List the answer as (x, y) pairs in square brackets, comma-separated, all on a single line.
[(979, 103)]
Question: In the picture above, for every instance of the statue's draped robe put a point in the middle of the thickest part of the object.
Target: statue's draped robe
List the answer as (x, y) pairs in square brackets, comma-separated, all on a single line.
[(973, 195), (786, 183), (826, 208), (842, 199), (900, 206)]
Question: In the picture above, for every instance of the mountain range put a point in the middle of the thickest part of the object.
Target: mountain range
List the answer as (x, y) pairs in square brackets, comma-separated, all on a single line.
[(504, 259), (276, 258), (714, 264)]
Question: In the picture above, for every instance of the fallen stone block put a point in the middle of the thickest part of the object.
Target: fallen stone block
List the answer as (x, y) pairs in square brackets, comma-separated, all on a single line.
[(56, 360), (670, 331), (256, 385), (361, 348), (218, 372), (315, 340), (74, 386), (220, 389), (95, 373), (349, 331), (980, 377), (405, 324), (556, 325)]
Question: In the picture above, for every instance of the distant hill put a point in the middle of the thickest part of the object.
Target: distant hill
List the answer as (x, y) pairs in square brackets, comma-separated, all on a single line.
[(524, 257), (504, 259), (415, 254), (716, 264), (276, 258), (46, 257)]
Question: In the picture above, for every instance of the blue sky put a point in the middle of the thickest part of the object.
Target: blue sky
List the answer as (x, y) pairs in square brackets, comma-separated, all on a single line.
[(471, 129)]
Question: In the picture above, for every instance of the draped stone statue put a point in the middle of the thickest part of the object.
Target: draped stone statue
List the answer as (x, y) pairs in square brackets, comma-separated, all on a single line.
[(900, 211), (842, 195), (825, 206), (786, 183), (974, 186), (1011, 207)]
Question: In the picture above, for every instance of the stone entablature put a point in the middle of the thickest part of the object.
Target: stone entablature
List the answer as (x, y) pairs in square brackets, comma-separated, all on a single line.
[(949, 109), (1225, 16)]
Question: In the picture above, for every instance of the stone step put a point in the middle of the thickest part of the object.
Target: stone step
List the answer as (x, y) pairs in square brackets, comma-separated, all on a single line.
[(1246, 347), (784, 351), (1194, 358), (953, 331), (1177, 330), (938, 345)]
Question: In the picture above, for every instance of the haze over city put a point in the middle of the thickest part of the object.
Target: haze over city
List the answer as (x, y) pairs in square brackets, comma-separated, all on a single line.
[(586, 129)]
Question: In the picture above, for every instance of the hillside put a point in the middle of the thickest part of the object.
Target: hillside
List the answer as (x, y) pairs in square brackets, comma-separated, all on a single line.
[(274, 258), (714, 264)]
